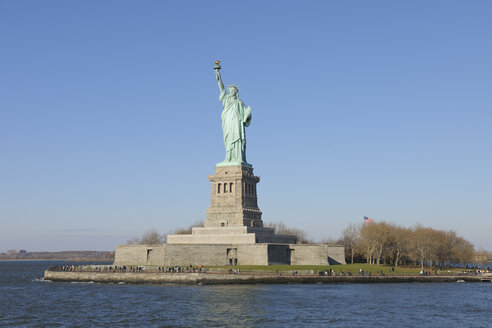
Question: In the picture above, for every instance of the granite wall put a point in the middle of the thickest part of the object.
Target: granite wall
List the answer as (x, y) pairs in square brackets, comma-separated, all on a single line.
[(228, 254)]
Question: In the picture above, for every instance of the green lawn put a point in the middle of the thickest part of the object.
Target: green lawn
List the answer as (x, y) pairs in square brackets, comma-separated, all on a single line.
[(353, 268)]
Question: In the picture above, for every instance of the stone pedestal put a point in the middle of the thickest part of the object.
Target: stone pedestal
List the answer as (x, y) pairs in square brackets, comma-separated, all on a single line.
[(233, 233), (233, 216), (233, 201)]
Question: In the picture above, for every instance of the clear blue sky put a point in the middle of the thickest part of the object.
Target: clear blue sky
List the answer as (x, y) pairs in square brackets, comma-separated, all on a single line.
[(110, 118)]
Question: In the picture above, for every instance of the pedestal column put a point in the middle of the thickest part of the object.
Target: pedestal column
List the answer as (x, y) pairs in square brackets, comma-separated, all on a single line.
[(233, 200)]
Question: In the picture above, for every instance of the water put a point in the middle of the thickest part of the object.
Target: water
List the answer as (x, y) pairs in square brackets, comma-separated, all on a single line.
[(27, 302)]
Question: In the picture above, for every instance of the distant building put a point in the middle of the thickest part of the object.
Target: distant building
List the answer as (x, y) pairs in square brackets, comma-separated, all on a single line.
[(16, 252)]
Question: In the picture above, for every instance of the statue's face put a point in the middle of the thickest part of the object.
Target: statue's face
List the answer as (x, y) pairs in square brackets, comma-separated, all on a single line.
[(233, 92)]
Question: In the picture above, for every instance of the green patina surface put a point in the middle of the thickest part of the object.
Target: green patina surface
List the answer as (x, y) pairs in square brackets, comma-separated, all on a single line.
[(235, 117)]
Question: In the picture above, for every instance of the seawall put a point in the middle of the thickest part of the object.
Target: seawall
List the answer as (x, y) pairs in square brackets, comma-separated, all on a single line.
[(243, 278)]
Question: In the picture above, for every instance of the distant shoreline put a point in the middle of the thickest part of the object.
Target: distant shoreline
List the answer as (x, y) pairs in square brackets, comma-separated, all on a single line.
[(66, 260), (72, 256)]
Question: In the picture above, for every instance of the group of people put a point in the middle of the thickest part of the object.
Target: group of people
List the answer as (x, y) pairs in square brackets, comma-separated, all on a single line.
[(475, 271), (363, 272), (332, 272), (124, 268), (180, 269), (62, 268)]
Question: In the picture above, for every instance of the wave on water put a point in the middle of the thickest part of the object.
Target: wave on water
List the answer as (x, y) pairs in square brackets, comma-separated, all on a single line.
[(42, 279), (82, 282)]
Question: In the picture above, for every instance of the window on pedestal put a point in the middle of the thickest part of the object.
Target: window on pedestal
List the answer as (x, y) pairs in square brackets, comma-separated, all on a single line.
[(218, 188), (225, 187), (230, 187)]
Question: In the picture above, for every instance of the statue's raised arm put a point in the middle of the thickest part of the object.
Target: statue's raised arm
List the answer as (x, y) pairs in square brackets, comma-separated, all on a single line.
[(235, 117), (217, 75)]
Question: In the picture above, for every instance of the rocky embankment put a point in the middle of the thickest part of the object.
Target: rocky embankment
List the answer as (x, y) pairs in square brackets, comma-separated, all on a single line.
[(210, 278)]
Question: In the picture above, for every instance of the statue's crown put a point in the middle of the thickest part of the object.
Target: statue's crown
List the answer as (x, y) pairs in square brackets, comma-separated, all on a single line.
[(233, 86)]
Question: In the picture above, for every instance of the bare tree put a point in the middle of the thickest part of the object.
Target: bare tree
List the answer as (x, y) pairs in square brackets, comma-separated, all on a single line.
[(381, 239), (423, 244), (350, 235), (448, 247), (331, 241), (388, 242), (281, 228), (464, 251), (481, 257), (188, 230), (133, 241), (150, 237), (400, 243), (367, 241)]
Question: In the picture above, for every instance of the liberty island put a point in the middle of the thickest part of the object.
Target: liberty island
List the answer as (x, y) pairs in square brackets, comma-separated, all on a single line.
[(233, 232), (234, 235)]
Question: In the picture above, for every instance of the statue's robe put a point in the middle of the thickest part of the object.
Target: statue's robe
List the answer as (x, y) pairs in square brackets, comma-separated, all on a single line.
[(235, 116)]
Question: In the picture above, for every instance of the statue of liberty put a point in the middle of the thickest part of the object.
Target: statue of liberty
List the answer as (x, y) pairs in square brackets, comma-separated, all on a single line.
[(235, 117)]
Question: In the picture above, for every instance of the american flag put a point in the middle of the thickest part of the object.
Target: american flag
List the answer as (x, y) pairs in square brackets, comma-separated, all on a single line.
[(368, 220)]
